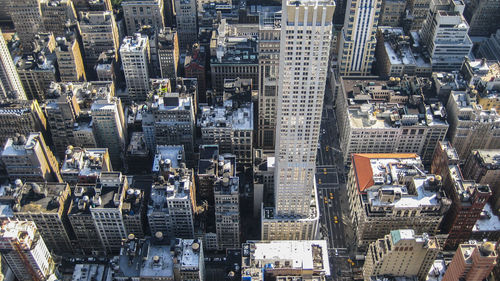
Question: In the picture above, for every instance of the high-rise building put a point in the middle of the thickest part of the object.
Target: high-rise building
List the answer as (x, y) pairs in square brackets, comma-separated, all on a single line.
[(138, 13), (173, 201), (27, 18), (468, 197), (10, 84), (227, 210), (170, 118), (187, 22), (69, 59), (109, 127), (483, 17), (472, 262), (94, 5), (135, 56), (357, 39), (366, 113), (392, 12), (46, 204), (483, 166), (99, 34), (444, 33), (55, 15), (194, 67), (471, 126), (38, 69), (168, 53), (21, 117), (61, 109), (306, 31), (25, 252), (401, 253), (106, 206), (490, 48), (418, 11), (285, 260), (29, 158), (390, 191), (229, 127), (269, 54)]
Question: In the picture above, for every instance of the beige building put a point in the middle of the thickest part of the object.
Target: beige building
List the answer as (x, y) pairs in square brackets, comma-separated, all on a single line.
[(55, 15), (392, 12), (471, 126), (401, 253), (387, 116), (21, 117), (29, 158), (390, 191), (69, 60), (483, 166), (138, 13), (268, 48), (99, 34)]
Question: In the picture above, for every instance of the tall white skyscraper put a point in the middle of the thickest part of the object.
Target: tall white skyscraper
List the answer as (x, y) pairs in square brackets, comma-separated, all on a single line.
[(10, 84), (306, 33), (135, 54), (357, 39)]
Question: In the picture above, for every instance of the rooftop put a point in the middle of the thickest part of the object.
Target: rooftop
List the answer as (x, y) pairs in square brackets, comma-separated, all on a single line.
[(488, 221), (395, 180), (137, 145), (465, 189), (470, 110), (89, 272), (171, 155), (227, 116), (85, 162), (18, 146), (276, 255), (136, 43), (488, 157), (36, 197)]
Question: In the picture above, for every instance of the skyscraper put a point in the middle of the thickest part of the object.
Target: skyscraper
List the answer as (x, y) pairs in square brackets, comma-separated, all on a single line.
[(138, 13), (187, 27), (10, 84), (357, 40), (135, 56), (27, 18), (306, 32), (24, 250)]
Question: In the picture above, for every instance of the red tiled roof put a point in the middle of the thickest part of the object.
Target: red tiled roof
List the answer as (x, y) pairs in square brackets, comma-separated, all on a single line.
[(363, 169)]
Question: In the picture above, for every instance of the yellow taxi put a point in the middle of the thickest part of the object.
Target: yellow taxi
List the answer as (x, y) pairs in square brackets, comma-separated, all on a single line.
[(324, 171)]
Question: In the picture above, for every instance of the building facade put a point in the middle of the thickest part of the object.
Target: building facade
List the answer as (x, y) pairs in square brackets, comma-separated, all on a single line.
[(99, 34), (69, 60), (357, 39), (135, 56), (187, 23), (138, 13), (10, 83), (472, 262), (27, 18), (227, 212)]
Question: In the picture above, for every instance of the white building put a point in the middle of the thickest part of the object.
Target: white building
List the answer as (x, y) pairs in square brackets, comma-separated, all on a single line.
[(109, 128), (10, 84), (25, 252), (138, 13), (357, 39), (187, 22), (135, 56), (306, 31), (285, 260), (444, 32)]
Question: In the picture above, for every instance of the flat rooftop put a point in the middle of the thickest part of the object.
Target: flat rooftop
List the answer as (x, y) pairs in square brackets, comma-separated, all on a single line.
[(173, 153)]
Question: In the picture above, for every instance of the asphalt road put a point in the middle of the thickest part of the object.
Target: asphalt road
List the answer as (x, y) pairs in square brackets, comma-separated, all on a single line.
[(331, 190)]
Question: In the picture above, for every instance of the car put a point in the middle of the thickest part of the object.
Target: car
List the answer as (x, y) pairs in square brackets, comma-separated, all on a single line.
[(319, 181), (336, 221), (327, 148), (324, 171), (331, 197), (336, 252), (335, 218), (217, 259), (91, 259)]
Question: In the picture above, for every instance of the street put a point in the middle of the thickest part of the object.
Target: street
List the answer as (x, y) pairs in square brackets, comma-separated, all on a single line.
[(331, 193)]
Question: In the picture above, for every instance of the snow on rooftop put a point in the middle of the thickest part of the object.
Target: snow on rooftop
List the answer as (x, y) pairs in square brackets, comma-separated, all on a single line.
[(174, 153), (488, 220)]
